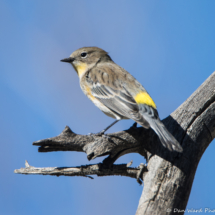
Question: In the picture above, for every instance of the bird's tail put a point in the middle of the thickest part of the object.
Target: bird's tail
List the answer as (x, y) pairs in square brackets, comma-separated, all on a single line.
[(164, 135)]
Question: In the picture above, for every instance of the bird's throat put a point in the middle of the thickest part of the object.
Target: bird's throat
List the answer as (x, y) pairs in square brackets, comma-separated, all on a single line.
[(80, 68)]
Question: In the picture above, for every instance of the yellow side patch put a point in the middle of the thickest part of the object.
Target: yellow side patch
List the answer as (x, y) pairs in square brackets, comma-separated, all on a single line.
[(80, 68), (144, 98), (89, 94)]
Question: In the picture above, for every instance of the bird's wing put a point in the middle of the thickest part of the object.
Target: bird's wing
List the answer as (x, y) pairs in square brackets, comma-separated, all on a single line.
[(118, 99)]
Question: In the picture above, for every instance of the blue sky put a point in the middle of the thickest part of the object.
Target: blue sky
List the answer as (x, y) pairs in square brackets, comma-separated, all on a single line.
[(167, 45)]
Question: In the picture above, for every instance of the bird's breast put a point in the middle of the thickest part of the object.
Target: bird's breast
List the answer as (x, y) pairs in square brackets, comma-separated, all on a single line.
[(87, 92)]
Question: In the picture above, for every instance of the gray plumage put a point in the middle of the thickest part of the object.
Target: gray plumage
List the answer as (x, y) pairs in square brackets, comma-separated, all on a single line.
[(115, 91)]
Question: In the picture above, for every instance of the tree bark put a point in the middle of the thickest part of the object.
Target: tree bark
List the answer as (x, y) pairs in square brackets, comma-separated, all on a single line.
[(168, 183), (169, 175)]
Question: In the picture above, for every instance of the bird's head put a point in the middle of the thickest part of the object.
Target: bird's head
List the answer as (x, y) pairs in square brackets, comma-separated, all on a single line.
[(85, 58)]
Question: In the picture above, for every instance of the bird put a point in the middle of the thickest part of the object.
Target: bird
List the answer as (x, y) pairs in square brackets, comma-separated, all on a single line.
[(117, 93)]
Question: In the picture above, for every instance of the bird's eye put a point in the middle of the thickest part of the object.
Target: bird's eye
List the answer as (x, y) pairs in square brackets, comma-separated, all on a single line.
[(83, 54)]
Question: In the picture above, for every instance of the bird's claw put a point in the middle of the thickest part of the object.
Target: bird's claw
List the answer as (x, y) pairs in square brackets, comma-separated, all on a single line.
[(101, 134)]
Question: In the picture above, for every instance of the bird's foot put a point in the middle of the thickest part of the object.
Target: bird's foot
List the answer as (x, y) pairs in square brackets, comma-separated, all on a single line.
[(101, 134)]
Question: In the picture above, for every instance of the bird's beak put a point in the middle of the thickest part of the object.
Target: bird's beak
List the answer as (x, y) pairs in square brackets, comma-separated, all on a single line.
[(68, 60)]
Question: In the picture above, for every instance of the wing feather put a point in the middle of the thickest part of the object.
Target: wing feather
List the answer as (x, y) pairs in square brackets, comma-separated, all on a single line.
[(119, 101)]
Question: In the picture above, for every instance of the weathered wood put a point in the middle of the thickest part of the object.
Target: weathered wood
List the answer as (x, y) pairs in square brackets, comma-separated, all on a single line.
[(168, 183), (170, 175), (87, 170), (114, 145)]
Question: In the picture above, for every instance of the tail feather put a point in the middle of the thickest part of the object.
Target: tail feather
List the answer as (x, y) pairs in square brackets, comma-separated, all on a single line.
[(164, 135)]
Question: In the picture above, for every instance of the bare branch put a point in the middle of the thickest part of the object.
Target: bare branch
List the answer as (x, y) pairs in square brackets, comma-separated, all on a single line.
[(170, 175), (115, 145), (95, 169)]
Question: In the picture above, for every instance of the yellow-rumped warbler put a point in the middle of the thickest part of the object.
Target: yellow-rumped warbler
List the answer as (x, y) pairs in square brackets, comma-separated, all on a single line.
[(117, 93)]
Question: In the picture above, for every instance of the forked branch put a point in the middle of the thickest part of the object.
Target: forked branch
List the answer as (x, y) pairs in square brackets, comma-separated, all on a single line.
[(169, 178)]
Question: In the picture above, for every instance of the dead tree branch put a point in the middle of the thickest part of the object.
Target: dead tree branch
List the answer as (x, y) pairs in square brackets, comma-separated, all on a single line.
[(170, 175), (87, 170)]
